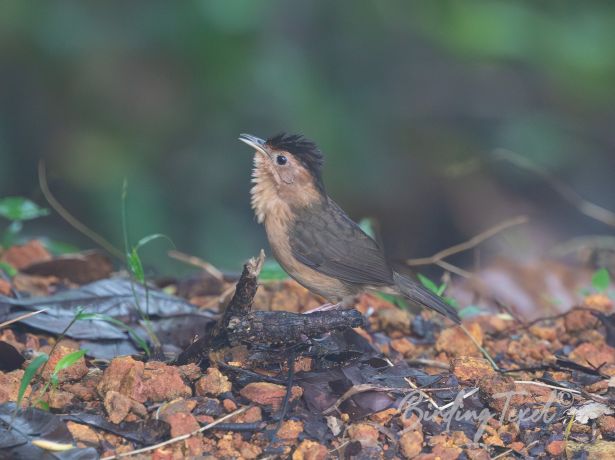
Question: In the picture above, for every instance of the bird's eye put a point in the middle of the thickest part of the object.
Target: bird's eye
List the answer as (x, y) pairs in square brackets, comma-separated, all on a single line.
[(281, 160)]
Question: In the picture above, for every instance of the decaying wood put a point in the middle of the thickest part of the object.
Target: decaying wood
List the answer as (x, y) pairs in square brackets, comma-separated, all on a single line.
[(238, 324), (287, 327)]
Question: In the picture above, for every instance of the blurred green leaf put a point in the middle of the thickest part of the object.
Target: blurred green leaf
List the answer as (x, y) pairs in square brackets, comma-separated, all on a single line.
[(272, 271), (601, 280), (367, 225), (433, 287), (470, 310), (29, 374), (16, 208), (8, 269), (68, 360)]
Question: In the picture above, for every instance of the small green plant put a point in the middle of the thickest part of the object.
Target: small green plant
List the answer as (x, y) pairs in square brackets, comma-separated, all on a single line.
[(438, 290), (601, 280), (17, 210), (116, 322), (272, 271)]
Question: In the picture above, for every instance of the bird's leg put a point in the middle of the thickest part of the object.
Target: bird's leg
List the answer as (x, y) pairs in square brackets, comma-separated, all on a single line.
[(347, 302)]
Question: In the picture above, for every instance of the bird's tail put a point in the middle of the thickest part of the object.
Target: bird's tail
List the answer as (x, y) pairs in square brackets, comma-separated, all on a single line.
[(418, 294)]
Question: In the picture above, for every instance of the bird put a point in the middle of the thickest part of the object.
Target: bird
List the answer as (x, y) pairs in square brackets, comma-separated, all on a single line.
[(312, 238)]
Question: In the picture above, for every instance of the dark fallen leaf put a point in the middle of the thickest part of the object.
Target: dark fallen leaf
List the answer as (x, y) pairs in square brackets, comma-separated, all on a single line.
[(10, 358), (145, 432), (81, 268), (22, 434), (111, 297)]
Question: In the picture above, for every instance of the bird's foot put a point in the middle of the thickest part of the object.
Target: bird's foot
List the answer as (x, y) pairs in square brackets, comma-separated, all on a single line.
[(325, 307)]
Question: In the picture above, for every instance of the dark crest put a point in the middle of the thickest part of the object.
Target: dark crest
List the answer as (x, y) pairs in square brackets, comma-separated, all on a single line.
[(304, 150)]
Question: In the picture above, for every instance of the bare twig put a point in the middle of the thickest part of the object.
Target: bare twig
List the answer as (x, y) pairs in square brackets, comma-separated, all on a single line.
[(471, 243), (72, 220), (22, 317), (179, 438), (584, 206), (197, 262), (362, 388)]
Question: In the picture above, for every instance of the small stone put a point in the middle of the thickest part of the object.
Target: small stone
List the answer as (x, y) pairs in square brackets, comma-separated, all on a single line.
[(411, 443), (446, 452), (58, 399), (117, 406), (579, 320), (394, 318), (164, 382), (478, 454), (290, 429), (9, 386), (21, 256), (598, 302), (190, 371), (83, 433), (544, 332), (454, 341), (5, 287), (384, 416), (589, 354), (213, 383), (310, 450), (182, 423), (124, 375), (250, 451), (366, 434), (175, 406), (266, 393), (469, 369), (606, 423), (229, 405), (252, 415), (73, 372), (403, 346), (556, 448)]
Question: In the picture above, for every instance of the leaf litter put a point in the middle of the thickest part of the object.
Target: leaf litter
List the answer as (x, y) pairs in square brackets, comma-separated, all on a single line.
[(404, 385)]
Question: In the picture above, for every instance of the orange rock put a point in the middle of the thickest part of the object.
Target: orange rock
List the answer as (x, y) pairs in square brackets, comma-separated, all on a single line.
[(446, 452), (9, 386), (394, 319), (58, 399), (24, 255), (384, 416), (544, 332), (5, 287), (250, 451), (213, 383), (598, 302), (310, 450), (470, 369), (478, 454), (163, 382), (124, 375), (229, 405), (403, 346), (588, 353), (190, 371), (556, 448), (579, 320), (290, 429), (606, 423), (266, 393), (73, 372), (83, 433), (454, 341), (252, 415), (182, 423), (366, 434), (117, 406), (411, 443), (175, 406)]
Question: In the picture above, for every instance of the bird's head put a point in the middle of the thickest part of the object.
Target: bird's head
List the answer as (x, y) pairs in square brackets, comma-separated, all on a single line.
[(287, 168)]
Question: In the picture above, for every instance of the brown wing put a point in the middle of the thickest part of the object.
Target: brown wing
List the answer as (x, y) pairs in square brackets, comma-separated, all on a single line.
[(324, 238)]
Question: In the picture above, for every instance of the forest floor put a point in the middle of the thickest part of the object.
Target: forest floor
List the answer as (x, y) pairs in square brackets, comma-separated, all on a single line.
[(406, 384)]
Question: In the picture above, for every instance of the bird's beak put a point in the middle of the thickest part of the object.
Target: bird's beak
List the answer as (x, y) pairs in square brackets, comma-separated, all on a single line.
[(253, 142)]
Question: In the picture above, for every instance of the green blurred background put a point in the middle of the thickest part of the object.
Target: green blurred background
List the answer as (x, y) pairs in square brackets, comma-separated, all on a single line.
[(408, 100)]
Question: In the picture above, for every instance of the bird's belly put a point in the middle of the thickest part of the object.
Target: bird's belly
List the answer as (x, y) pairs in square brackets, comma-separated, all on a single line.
[(328, 287)]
